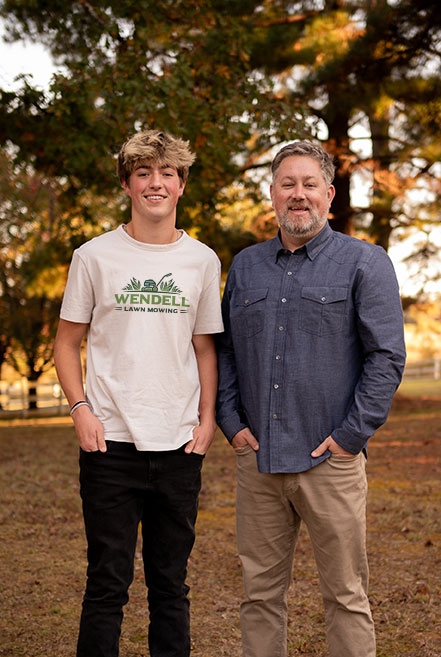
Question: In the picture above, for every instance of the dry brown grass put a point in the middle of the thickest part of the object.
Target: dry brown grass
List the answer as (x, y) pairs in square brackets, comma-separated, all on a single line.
[(43, 549)]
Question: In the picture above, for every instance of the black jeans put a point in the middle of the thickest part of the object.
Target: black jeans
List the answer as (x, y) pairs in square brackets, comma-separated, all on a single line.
[(121, 488)]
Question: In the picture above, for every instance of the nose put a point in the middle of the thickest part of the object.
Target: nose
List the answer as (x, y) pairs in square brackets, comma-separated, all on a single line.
[(155, 179), (298, 191)]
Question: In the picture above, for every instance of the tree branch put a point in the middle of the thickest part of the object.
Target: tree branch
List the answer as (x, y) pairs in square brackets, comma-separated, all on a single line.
[(288, 20)]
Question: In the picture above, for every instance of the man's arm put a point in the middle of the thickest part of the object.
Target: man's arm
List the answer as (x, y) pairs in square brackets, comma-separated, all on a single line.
[(229, 414), (67, 357), (207, 366), (380, 331)]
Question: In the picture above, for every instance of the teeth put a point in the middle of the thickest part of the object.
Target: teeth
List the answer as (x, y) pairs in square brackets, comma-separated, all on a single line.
[(154, 197)]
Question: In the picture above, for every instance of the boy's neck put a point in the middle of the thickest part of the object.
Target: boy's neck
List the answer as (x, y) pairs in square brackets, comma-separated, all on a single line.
[(161, 234)]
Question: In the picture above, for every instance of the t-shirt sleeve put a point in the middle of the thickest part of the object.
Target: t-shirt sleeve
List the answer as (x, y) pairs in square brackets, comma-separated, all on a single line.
[(209, 316), (79, 298)]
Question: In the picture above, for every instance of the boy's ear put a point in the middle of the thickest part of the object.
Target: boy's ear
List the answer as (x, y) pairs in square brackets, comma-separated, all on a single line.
[(125, 187)]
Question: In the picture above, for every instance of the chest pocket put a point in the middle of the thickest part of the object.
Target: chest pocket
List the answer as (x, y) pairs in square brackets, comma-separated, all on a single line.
[(322, 309), (248, 311)]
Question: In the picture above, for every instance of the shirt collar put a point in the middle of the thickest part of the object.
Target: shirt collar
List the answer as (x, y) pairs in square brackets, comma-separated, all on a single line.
[(312, 248)]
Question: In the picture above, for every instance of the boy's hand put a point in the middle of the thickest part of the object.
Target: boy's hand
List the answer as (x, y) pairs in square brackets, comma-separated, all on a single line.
[(202, 438), (89, 430)]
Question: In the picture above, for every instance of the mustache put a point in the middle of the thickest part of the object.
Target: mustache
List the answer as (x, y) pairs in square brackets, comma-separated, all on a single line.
[(299, 206)]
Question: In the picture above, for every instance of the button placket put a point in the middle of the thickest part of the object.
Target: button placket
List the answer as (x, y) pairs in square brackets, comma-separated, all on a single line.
[(281, 324)]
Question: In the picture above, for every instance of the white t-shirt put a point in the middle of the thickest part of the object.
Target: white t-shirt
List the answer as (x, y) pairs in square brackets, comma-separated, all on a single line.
[(144, 302)]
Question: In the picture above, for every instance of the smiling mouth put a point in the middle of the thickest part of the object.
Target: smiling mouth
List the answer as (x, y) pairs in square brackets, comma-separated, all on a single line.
[(154, 197)]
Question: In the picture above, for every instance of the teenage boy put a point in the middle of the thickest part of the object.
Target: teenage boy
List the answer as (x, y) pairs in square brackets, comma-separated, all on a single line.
[(148, 295)]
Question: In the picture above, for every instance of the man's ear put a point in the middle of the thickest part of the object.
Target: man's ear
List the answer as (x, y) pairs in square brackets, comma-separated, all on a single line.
[(331, 193)]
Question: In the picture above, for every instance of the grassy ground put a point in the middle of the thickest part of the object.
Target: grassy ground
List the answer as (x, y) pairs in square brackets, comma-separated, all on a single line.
[(421, 388), (42, 552)]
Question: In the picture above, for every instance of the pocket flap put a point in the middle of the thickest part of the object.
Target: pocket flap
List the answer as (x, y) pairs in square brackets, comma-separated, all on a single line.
[(248, 297), (325, 295)]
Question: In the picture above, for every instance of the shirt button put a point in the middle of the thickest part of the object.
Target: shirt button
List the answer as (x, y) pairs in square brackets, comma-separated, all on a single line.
[(278, 357), (283, 300), (276, 385), (275, 416), (290, 273), (323, 299), (281, 328), (247, 301)]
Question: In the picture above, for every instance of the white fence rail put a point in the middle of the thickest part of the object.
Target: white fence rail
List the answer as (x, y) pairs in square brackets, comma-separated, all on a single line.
[(15, 397), (430, 368)]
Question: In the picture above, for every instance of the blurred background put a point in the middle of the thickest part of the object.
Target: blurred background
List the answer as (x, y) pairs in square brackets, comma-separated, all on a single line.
[(238, 79)]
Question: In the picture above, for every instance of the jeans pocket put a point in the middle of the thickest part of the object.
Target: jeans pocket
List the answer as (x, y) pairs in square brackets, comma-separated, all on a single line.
[(341, 462), (196, 455)]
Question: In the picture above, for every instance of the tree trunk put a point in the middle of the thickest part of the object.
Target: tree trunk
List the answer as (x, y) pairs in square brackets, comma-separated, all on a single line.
[(2, 360), (337, 120), (382, 197), (32, 390)]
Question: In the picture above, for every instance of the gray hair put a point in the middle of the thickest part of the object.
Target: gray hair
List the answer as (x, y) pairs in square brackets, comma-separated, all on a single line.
[(308, 149)]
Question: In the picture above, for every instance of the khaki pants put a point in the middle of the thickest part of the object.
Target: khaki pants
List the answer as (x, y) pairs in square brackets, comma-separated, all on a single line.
[(331, 500)]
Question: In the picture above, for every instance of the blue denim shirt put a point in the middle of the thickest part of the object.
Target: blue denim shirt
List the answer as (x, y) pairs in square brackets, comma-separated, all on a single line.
[(313, 346)]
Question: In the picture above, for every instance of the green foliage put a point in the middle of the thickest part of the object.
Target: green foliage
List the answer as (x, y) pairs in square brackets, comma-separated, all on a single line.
[(376, 63), (39, 228), (182, 67), (235, 78)]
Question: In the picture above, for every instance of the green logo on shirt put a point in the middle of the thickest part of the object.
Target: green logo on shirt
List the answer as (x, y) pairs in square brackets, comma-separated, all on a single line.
[(163, 296), (149, 285)]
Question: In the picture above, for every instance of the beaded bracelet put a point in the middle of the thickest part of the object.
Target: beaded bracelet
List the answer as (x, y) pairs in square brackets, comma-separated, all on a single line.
[(83, 402)]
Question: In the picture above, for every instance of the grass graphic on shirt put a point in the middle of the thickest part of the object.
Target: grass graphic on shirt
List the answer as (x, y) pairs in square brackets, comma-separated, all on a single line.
[(149, 285), (151, 296)]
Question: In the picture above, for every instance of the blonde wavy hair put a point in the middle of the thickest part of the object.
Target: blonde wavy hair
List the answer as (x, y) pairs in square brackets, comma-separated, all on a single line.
[(154, 146)]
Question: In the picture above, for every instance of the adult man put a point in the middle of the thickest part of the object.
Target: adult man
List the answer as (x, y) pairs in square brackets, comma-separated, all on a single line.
[(149, 296), (311, 356)]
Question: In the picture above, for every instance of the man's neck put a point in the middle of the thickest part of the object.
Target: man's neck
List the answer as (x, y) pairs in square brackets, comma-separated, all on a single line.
[(294, 242), (291, 242)]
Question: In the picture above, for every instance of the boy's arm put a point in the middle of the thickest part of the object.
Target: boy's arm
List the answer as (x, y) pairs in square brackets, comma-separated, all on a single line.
[(207, 365), (67, 357)]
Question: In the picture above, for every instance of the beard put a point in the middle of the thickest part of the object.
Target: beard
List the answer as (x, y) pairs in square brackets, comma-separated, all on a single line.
[(303, 228)]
